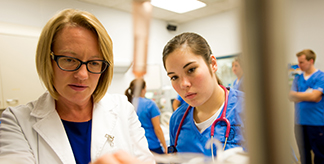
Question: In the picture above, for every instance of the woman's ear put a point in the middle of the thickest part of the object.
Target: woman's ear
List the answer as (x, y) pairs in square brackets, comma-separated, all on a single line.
[(213, 63)]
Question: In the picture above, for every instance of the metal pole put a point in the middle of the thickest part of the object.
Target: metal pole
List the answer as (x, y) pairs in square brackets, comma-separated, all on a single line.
[(266, 82)]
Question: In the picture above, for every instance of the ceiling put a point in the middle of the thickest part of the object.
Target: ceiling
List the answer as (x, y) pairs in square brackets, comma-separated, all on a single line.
[(212, 7)]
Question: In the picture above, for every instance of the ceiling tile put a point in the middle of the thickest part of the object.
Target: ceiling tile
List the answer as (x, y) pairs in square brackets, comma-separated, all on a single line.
[(162, 14), (127, 6), (179, 18)]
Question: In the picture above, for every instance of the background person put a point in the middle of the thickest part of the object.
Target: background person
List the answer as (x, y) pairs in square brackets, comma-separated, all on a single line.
[(177, 102), (238, 71), (189, 63), (75, 121), (307, 93), (149, 116)]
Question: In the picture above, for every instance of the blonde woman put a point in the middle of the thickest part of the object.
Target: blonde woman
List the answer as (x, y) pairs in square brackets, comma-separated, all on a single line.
[(75, 121)]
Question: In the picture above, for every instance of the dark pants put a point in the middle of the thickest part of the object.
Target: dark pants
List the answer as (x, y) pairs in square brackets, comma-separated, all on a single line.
[(310, 138), (158, 150)]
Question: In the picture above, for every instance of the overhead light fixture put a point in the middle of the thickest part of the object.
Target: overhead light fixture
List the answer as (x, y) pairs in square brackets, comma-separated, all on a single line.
[(178, 6)]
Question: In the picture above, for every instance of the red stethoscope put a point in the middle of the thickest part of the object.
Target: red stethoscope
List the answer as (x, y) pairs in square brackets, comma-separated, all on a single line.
[(172, 149)]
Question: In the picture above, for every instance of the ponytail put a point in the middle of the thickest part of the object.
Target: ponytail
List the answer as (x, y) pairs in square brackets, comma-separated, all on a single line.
[(130, 91), (129, 94)]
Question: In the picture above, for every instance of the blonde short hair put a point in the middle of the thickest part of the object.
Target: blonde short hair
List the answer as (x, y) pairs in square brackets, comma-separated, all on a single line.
[(73, 17), (310, 54)]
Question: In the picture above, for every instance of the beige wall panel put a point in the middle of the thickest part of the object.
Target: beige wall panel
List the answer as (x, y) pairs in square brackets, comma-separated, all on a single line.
[(19, 79)]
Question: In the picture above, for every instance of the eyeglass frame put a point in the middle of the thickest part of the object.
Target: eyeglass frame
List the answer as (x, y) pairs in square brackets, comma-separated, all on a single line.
[(56, 57)]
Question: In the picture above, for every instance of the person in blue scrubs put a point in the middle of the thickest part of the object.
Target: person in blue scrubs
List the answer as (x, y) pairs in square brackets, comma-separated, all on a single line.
[(191, 67), (149, 116), (177, 102), (238, 71), (307, 93)]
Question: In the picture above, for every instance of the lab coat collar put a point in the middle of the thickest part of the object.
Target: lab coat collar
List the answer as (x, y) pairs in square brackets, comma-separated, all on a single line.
[(43, 106), (104, 120), (50, 128)]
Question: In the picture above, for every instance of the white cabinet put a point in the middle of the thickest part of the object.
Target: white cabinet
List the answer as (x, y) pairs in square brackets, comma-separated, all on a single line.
[(19, 82)]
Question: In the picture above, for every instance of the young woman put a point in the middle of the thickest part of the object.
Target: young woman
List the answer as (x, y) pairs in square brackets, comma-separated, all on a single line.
[(192, 68), (149, 116)]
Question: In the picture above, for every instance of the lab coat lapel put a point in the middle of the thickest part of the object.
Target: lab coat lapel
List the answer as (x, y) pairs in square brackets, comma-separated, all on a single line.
[(104, 120), (51, 130)]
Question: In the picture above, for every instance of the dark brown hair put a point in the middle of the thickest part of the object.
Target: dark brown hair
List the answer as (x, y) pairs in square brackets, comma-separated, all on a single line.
[(130, 91), (197, 44)]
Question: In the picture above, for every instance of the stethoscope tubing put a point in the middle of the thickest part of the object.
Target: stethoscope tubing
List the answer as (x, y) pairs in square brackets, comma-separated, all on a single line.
[(221, 118)]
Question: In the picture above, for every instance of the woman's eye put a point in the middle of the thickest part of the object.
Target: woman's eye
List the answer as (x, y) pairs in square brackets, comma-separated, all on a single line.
[(94, 63), (191, 70), (69, 60), (173, 78)]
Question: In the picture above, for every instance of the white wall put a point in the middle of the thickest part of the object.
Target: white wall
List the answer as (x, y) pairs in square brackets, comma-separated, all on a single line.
[(221, 32), (306, 29)]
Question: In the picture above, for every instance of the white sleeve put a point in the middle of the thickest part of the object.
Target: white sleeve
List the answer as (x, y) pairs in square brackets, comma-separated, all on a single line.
[(13, 142)]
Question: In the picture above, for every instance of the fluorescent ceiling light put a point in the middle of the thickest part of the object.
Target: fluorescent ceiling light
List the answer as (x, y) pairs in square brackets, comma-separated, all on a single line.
[(178, 6)]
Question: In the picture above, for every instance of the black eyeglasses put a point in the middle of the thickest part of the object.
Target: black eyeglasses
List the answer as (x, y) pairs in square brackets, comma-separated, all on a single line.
[(67, 63)]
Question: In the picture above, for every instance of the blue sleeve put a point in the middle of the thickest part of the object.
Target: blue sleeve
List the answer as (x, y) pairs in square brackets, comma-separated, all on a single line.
[(319, 84), (154, 109), (179, 97), (294, 84), (171, 131)]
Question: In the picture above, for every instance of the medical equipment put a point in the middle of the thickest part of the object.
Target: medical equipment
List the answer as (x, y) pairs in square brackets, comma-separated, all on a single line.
[(142, 10), (172, 149)]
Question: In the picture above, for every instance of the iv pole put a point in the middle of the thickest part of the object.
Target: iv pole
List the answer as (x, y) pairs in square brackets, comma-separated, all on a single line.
[(264, 53)]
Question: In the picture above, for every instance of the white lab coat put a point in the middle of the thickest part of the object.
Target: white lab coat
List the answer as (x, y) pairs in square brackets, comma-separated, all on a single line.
[(34, 133)]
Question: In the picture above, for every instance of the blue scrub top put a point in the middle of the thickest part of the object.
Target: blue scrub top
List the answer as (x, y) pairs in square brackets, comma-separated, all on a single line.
[(147, 110), (180, 99), (309, 113), (191, 140), (239, 85)]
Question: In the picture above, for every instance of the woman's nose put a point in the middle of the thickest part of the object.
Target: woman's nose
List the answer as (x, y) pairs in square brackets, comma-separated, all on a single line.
[(82, 73), (185, 83)]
